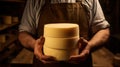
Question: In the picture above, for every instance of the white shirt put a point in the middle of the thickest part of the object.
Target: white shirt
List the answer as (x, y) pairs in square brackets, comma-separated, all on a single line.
[(29, 21), (63, 1)]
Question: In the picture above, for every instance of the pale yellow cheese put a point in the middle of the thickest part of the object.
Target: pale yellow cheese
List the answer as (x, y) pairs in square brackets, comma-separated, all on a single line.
[(61, 40), (60, 55), (61, 43), (61, 30)]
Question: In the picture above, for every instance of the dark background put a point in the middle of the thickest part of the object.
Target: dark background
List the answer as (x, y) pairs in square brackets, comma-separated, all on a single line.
[(111, 9)]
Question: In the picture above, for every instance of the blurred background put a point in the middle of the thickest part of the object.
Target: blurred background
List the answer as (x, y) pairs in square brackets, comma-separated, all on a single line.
[(12, 54)]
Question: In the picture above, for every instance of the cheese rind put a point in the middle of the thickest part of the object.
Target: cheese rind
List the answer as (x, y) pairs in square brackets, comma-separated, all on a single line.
[(60, 55), (61, 30), (61, 43), (15, 19), (2, 38), (7, 19)]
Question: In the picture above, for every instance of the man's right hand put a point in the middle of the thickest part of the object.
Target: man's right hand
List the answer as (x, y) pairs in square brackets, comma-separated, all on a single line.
[(38, 51)]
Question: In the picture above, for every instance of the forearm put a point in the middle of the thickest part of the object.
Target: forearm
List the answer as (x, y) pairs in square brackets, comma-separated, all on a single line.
[(99, 38), (26, 40)]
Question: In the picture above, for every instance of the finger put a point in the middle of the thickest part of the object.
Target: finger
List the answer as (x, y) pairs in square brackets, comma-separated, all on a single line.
[(41, 40), (45, 59), (77, 59), (74, 59), (48, 59), (81, 57), (84, 54), (78, 43), (48, 62), (83, 43), (39, 45), (38, 49)]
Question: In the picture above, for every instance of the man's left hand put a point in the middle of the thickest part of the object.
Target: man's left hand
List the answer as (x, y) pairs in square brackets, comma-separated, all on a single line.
[(84, 50)]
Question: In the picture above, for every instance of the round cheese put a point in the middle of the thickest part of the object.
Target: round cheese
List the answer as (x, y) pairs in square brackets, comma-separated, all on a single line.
[(61, 43), (2, 38), (61, 30), (60, 55), (7, 19), (15, 19)]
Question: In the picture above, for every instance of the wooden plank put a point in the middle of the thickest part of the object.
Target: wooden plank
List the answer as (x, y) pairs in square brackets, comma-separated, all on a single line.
[(102, 58), (24, 57), (6, 26)]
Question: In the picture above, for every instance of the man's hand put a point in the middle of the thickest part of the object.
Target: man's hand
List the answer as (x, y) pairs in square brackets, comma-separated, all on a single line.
[(84, 50), (38, 51)]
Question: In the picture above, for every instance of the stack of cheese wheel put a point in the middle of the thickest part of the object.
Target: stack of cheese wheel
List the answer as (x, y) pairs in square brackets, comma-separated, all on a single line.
[(61, 40)]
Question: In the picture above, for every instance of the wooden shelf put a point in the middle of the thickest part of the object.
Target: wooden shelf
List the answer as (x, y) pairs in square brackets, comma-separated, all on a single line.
[(12, 8), (10, 40), (8, 53), (5, 26)]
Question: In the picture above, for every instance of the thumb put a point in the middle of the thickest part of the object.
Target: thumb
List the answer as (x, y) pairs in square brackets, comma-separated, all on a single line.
[(82, 44), (41, 40)]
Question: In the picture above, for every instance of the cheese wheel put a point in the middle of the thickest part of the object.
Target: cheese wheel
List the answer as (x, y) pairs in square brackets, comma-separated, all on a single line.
[(2, 38), (15, 19), (7, 19), (63, 30), (61, 43), (60, 55)]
